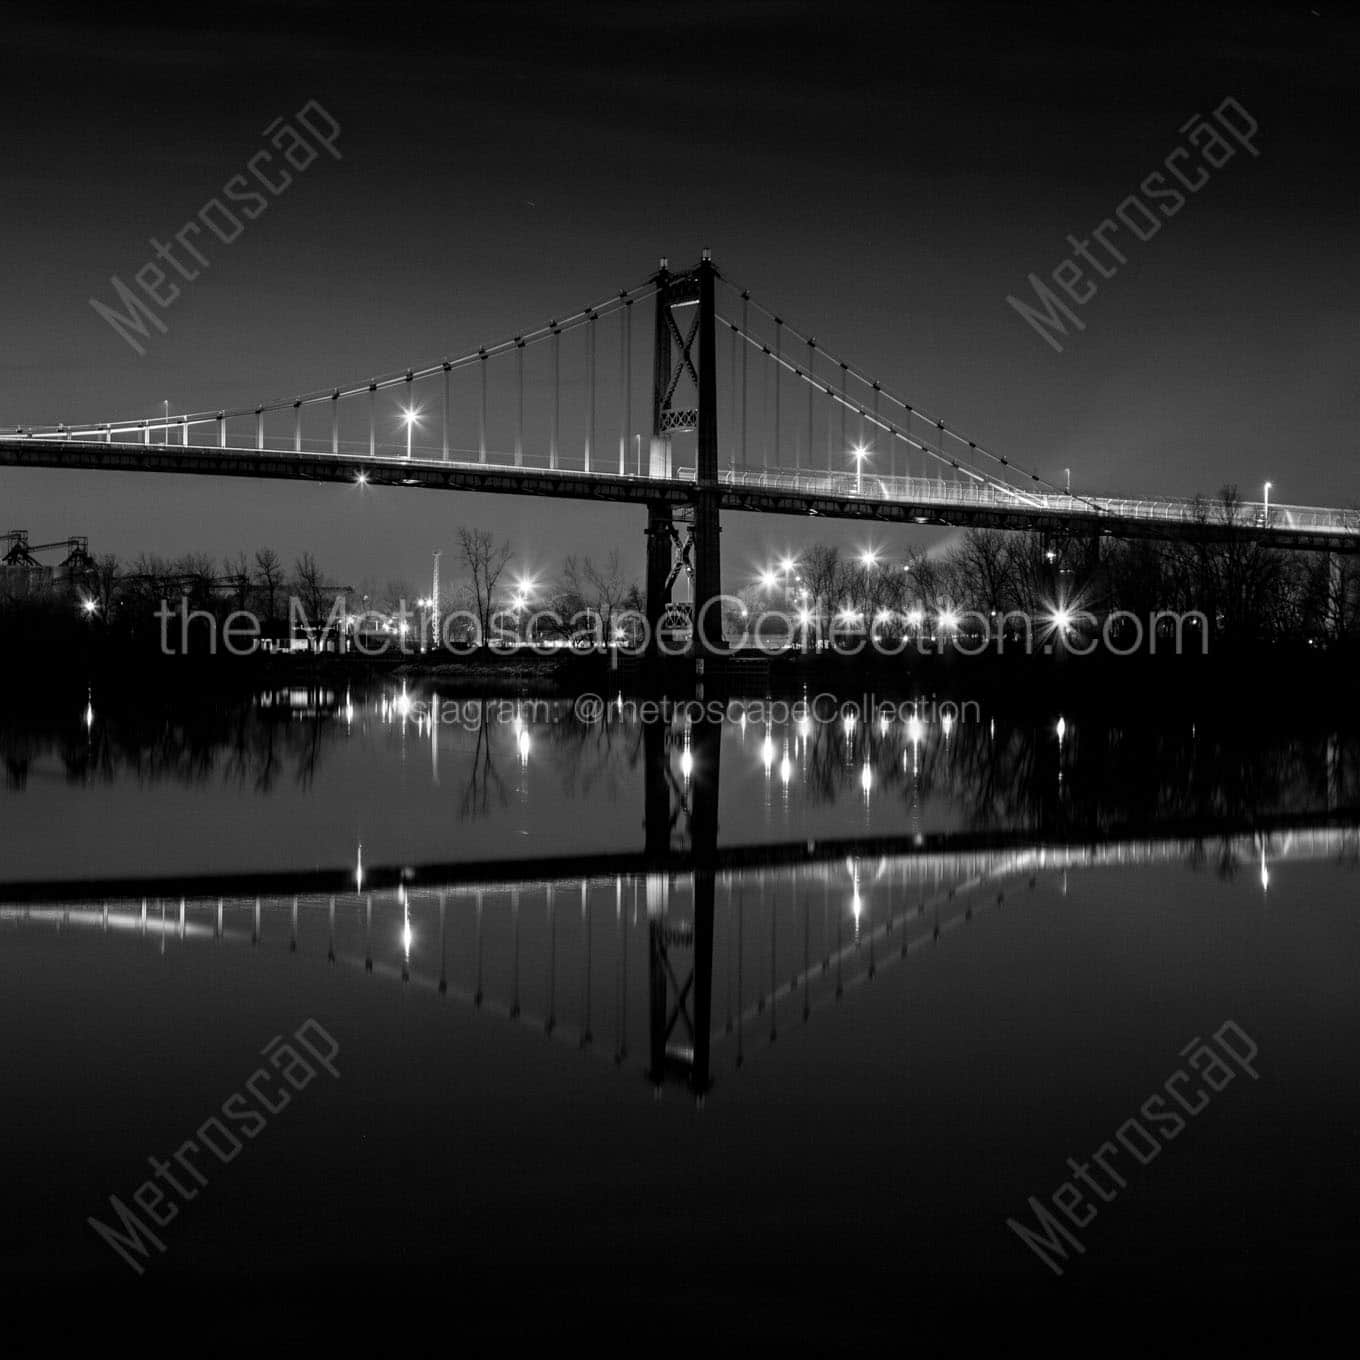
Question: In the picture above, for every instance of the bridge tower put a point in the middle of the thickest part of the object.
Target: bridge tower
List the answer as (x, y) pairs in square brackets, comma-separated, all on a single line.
[(680, 953), (685, 400)]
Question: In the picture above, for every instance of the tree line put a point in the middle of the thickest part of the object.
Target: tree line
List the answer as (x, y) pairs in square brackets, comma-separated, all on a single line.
[(1246, 591)]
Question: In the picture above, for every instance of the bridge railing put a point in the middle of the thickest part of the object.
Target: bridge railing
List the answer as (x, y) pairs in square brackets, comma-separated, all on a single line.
[(845, 485), (942, 491)]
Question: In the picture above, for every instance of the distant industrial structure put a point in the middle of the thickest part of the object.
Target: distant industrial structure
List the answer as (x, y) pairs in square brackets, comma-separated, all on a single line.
[(22, 573)]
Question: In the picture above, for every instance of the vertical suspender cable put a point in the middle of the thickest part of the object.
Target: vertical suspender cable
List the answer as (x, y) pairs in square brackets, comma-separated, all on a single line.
[(812, 399), (765, 415), (778, 326), (557, 393), (628, 369), (590, 385), (448, 401), (731, 426), (623, 383), (845, 397), (877, 432), (409, 410), (335, 420), (372, 418), (481, 415), (259, 427), (519, 408), (830, 427), (746, 330), (297, 426)]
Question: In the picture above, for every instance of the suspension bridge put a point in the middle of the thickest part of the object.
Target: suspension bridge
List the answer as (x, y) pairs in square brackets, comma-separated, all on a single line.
[(556, 411), (594, 950)]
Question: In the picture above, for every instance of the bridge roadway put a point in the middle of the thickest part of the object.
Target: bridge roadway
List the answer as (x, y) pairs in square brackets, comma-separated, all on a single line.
[(1335, 832), (831, 495)]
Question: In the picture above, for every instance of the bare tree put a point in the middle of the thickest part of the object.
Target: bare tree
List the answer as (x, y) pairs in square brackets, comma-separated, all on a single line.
[(485, 563), (268, 578), (601, 590), (310, 587), (237, 571), (824, 580), (104, 580), (984, 563)]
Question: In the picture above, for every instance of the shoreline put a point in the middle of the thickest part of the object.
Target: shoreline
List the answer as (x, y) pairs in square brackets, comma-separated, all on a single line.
[(1278, 685)]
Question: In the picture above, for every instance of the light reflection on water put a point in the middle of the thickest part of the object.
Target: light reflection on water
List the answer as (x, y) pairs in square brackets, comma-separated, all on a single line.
[(582, 957), (904, 970), (296, 778)]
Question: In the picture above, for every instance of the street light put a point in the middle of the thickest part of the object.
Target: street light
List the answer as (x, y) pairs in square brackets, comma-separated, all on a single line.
[(860, 454), (869, 558), (1268, 486), (409, 415)]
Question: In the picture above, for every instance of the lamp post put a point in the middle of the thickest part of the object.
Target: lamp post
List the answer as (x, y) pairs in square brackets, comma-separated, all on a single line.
[(409, 416), (860, 454), (423, 603), (1267, 503)]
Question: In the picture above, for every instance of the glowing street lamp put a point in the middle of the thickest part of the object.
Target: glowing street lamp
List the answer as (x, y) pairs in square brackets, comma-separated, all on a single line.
[(860, 453), (1268, 486), (411, 416), (869, 559), (89, 607)]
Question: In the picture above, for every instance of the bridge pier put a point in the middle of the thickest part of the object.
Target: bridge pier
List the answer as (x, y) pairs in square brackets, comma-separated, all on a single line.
[(708, 624), (660, 537)]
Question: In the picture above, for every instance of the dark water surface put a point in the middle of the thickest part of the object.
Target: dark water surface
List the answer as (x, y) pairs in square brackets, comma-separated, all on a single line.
[(935, 965)]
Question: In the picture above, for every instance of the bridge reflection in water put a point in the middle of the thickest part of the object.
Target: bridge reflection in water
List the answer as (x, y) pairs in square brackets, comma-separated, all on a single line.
[(676, 972)]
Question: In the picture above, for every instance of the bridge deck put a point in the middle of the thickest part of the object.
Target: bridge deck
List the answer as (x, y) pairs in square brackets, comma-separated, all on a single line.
[(1333, 832), (833, 495)]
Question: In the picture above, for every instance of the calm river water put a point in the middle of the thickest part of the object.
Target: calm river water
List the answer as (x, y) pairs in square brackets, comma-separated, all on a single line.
[(742, 1011)]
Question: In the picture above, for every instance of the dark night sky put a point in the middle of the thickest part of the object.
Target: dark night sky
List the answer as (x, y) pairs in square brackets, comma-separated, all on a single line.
[(885, 176)]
